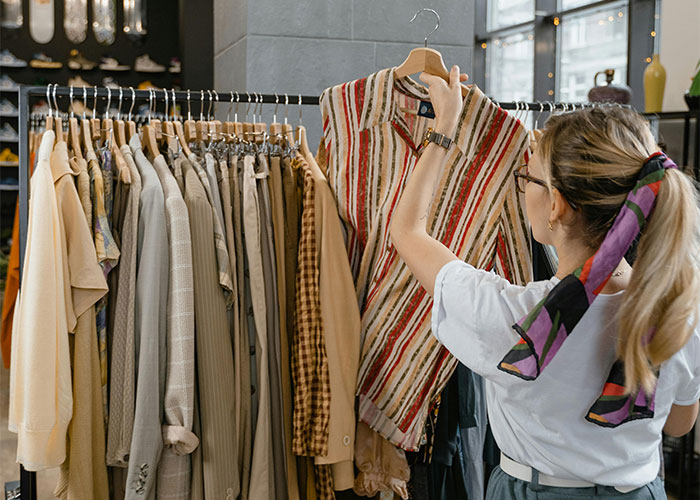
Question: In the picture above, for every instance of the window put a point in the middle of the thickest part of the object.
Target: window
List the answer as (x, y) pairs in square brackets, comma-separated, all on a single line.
[(510, 67), (590, 42), (504, 13), (556, 54)]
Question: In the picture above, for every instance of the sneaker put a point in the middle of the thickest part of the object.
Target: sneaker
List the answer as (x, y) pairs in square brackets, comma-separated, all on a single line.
[(77, 81), (109, 83), (9, 60), (7, 157), (145, 64), (8, 109), (7, 83), (111, 64), (43, 61), (7, 133), (175, 65), (78, 61)]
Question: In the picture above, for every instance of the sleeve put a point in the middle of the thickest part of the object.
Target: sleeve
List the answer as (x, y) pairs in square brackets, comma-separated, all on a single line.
[(689, 389), (473, 313)]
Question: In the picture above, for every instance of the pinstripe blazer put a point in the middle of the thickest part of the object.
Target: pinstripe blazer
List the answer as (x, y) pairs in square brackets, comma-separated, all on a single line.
[(174, 469), (122, 369), (150, 330), (215, 470)]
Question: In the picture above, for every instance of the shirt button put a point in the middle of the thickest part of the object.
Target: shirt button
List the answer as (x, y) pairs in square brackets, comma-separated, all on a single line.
[(346, 440)]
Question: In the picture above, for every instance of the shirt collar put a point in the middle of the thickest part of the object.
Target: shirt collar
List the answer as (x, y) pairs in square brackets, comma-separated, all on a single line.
[(60, 164), (376, 102)]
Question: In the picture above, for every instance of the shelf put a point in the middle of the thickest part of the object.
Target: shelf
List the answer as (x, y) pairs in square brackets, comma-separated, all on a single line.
[(9, 115), (9, 187), (14, 91), (9, 164), (8, 140)]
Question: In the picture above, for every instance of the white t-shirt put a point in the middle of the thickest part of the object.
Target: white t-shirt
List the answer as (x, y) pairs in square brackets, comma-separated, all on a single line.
[(541, 423)]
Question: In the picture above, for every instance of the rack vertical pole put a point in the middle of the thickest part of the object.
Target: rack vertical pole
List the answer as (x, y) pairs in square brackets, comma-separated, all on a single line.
[(27, 479)]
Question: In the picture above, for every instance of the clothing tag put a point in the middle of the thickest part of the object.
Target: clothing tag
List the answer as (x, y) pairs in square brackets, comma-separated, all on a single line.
[(426, 109)]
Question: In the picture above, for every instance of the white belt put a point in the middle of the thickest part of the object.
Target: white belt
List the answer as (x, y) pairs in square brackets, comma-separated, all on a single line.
[(524, 473)]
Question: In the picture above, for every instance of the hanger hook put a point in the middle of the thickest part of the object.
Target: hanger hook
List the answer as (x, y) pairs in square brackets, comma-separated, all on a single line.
[(260, 109), (165, 92), (48, 98), (255, 108), (216, 98), (94, 102), (230, 107), (189, 114), (201, 105), (55, 103), (238, 101), (437, 25), (133, 101), (300, 117), (70, 95), (84, 101), (277, 103), (150, 104), (286, 108), (247, 109), (119, 109), (109, 102), (174, 99), (211, 101)]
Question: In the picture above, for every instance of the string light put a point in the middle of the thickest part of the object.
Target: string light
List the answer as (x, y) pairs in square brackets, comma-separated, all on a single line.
[(653, 33), (610, 18), (483, 45), (620, 14), (556, 21), (648, 59), (530, 37), (550, 75), (550, 92), (601, 22)]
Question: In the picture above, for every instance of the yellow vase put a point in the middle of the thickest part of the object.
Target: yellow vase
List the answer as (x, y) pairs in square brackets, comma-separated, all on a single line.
[(654, 85)]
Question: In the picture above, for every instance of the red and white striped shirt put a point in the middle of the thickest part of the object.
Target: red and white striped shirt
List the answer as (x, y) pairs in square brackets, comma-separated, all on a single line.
[(372, 142)]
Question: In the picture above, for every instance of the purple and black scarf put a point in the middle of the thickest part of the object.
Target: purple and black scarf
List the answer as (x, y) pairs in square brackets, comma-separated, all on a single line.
[(547, 326)]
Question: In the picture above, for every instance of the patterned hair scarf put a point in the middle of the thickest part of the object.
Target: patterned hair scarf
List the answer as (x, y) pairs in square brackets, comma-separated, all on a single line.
[(546, 327)]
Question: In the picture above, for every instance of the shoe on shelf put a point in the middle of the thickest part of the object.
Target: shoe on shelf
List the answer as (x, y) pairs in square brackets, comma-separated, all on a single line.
[(145, 64), (7, 108), (9, 60), (7, 83), (78, 61), (42, 61), (109, 83), (146, 85), (7, 133), (111, 64), (175, 65), (77, 81), (7, 157)]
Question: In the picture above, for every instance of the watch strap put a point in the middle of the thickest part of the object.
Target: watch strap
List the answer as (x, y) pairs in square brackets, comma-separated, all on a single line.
[(440, 139)]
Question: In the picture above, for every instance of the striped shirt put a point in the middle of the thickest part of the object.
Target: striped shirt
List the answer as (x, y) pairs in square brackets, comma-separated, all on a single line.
[(372, 141)]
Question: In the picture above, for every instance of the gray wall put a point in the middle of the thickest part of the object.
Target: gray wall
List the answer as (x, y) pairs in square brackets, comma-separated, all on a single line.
[(306, 46)]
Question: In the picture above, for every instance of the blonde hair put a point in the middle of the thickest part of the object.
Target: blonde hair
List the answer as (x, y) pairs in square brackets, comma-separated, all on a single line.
[(593, 157)]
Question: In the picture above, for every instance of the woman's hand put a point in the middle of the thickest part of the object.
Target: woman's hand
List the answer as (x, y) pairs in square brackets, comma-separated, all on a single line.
[(446, 100)]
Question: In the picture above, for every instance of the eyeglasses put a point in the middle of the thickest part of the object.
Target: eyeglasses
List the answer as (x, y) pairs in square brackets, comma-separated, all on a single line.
[(522, 178)]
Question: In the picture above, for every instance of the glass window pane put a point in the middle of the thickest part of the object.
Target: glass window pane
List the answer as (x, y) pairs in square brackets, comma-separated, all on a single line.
[(510, 65), (504, 13), (572, 4), (588, 43)]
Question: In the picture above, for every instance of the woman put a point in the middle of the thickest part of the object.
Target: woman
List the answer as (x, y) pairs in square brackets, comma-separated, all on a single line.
[(583, 371)]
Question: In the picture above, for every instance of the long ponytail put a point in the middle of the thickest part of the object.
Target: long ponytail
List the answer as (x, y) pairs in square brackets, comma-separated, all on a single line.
[(594, 156)]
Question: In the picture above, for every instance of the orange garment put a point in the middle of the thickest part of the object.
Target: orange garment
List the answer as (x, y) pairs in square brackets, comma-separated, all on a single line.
[(11, 286)]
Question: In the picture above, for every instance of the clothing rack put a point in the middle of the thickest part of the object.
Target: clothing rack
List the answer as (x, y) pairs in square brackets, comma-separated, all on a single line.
[(28, 489)]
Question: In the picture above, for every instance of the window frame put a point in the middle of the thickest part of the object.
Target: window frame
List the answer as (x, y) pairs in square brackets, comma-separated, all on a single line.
[(641, 21)]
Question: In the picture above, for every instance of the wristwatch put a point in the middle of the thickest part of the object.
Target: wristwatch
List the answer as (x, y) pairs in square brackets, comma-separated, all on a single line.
[(439, 139)]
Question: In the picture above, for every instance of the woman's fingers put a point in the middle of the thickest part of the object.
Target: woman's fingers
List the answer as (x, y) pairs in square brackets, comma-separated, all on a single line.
[(463, 77), (429, 79)]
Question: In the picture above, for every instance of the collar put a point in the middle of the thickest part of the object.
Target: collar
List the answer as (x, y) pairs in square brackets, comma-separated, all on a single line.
[(375, 100), (60, 165)]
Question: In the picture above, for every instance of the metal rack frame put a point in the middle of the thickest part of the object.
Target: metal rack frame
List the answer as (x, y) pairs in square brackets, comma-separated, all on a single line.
[(28, 489)]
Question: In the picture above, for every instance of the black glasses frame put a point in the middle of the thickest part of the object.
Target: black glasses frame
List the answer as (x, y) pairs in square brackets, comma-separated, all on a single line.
[(519, 174)]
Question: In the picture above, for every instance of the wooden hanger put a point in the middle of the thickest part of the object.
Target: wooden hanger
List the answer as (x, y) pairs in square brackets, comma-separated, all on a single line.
[(180, 133), (149, 140), (425, 60), (86, 135)]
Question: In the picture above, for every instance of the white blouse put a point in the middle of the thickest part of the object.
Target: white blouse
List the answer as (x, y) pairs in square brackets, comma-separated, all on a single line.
[(541, 423)]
